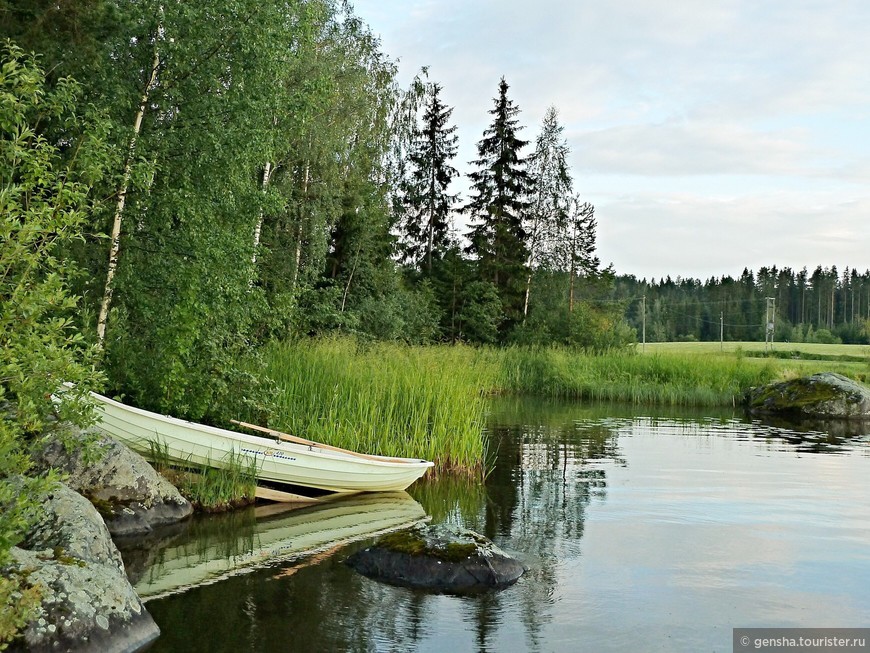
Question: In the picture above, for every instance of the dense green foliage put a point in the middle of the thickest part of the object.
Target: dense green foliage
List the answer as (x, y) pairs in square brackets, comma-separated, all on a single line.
[(821, 307), (254, 155), (43, 207)]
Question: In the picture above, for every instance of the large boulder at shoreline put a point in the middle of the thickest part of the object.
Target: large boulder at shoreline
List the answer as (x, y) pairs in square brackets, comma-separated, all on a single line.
[(439, 559), (86, 602), (826, 395), (129, 494)]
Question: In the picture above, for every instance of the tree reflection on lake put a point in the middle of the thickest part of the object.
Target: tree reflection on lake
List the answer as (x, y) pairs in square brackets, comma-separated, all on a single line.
[(641, 529)]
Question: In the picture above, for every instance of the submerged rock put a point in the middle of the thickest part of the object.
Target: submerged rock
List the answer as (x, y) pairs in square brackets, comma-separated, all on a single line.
[(439, 559), (86, 602), (129, 494), (825, 395)]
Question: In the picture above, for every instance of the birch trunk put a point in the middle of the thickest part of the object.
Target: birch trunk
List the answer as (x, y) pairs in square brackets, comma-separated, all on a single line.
[(526, 300), (297, 258), (573, 269), (114, 247), (267, 175), (571, 292)]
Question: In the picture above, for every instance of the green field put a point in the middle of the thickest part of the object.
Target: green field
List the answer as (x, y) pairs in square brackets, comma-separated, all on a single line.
[(791, 358), (860, 351)]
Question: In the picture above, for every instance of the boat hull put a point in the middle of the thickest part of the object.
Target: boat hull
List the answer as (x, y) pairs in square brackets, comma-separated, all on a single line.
[(276, 461)]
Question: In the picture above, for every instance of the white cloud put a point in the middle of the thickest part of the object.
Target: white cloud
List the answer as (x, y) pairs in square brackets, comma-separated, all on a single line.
[(717, 135), (657, 234)]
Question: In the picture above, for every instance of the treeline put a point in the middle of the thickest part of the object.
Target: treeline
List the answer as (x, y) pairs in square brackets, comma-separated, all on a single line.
[(253, 171), (823, 306)]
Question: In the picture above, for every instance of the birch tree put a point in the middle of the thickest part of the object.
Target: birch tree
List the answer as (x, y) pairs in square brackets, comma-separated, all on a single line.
[(115, 240), (549, 208)]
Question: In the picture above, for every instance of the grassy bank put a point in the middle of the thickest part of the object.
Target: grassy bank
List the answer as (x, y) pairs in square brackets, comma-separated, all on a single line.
[(429, 402), (794, 358), (209, 489)]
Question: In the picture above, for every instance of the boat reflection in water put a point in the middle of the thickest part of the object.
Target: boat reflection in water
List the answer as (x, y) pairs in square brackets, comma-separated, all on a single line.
[(212, 549)]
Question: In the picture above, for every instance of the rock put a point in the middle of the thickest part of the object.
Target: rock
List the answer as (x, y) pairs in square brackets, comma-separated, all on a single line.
[(87, 604), (440, 559), (130, 495), (825, 395)]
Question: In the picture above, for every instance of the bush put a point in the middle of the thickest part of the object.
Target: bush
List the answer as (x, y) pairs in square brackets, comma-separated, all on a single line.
[(43, 204)]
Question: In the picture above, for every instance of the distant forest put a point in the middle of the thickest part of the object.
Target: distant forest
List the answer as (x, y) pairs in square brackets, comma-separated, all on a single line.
[(823, 306)]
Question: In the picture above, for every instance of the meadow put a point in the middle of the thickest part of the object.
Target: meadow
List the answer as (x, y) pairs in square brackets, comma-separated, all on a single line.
[(796, 358)]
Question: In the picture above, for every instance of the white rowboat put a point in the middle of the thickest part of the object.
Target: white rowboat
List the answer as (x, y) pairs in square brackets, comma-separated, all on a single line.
[(302, 463)]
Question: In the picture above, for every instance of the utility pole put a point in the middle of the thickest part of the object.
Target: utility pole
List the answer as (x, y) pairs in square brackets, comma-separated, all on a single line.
[(769, 319), (721, 330), (643, 346)]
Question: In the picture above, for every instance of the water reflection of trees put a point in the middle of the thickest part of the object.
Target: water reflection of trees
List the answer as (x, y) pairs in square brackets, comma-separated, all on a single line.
[(548, 469)]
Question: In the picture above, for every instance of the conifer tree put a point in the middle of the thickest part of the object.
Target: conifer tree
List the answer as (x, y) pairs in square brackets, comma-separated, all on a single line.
[(500, 189), (428, 204)]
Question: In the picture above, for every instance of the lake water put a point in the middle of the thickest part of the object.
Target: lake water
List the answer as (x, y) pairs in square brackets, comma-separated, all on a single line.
[(642, 531)]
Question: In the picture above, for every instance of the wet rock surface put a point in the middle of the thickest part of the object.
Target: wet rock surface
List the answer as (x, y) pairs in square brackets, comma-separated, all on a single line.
[(132, 497), (439, 559), (87, 604), (821, 396)]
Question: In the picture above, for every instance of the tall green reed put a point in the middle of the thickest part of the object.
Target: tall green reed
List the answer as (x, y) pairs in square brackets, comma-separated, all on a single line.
[(213, 487), (394, 400), (626, 376)]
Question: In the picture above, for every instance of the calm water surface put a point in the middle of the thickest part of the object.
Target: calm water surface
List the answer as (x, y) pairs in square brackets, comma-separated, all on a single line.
[(642, 532)]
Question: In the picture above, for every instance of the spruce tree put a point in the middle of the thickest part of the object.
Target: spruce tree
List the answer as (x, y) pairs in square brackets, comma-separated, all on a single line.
[(500, 189), (428, 204)]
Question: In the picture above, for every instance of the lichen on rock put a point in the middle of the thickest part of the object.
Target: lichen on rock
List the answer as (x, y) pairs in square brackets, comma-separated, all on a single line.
[(86, 602), (128, 493)]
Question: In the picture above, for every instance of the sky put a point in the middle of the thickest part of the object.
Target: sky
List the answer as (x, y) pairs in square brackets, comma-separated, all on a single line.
[(710, 135)]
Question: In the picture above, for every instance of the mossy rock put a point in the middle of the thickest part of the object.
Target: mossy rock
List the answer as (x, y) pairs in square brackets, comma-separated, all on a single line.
[(438, 559), (131, 497), (826, 395)]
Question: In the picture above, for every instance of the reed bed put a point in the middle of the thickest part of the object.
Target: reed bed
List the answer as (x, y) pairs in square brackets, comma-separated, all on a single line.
[(429, 402), (626, 376), (393, 400)]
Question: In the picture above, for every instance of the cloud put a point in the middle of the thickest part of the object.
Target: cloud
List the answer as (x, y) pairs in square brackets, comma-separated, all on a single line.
[(713, 134), (656, 234), (695, 148)]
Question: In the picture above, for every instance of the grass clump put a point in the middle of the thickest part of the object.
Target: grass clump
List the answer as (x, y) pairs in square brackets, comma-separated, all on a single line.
[(226, 484)]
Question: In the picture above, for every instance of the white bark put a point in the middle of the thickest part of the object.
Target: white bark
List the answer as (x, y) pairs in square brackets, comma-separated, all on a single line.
[(115, 245), (297, 259), (267, 176)]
